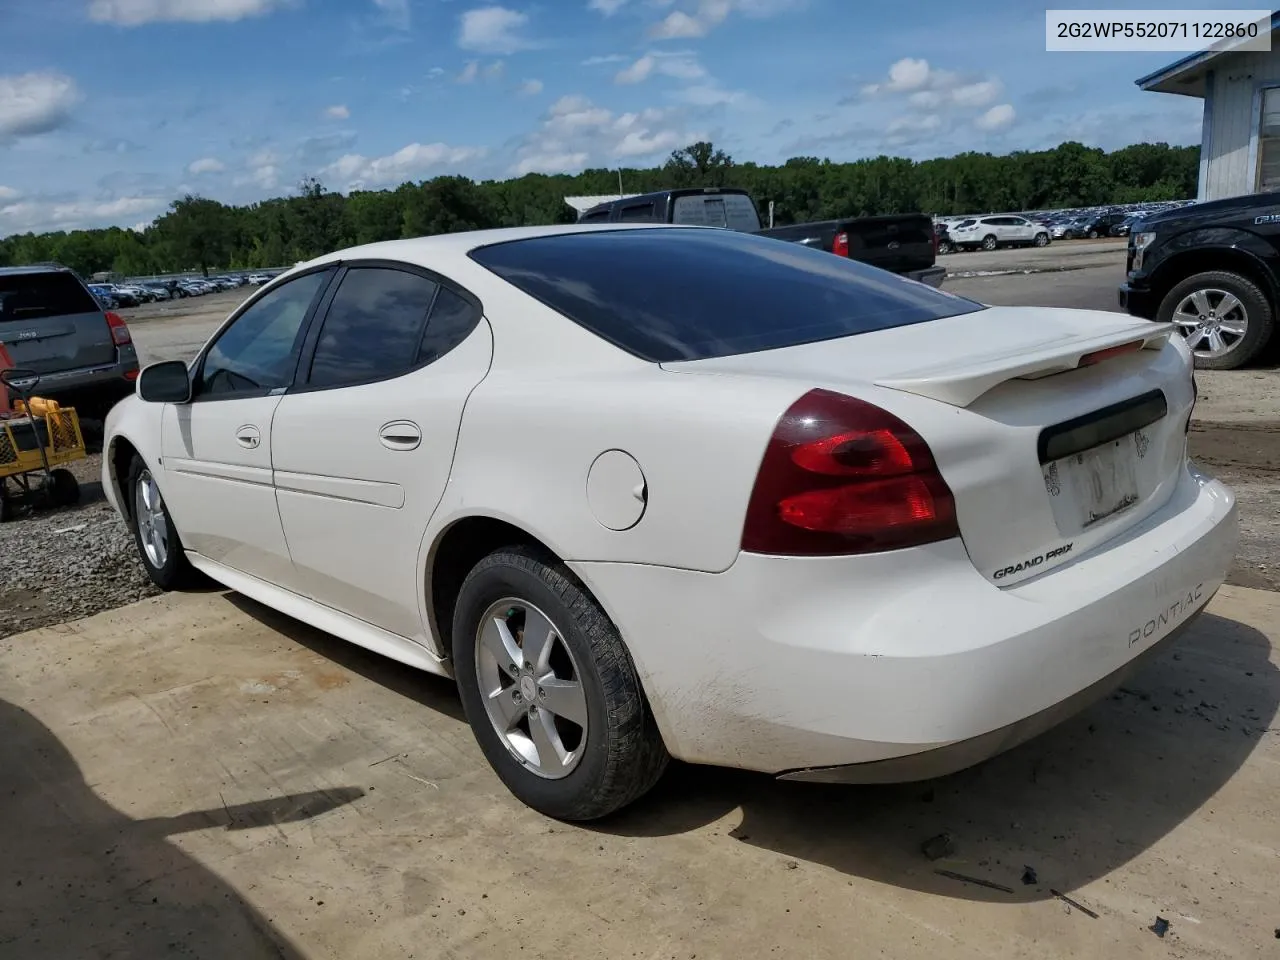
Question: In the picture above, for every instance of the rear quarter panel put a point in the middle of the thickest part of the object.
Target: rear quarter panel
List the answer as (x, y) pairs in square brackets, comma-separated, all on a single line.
[(557, 397)]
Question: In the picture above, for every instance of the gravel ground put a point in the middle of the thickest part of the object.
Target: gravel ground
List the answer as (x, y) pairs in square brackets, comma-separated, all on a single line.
[(71, 563)]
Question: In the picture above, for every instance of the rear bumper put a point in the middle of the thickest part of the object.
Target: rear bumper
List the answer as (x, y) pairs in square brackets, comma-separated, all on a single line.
[(933, 276), (67, 386), (786, 664), (1137, 301)]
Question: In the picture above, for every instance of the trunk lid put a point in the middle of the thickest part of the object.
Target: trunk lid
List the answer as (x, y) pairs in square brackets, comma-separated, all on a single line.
[(1052, 439), (50, 323)]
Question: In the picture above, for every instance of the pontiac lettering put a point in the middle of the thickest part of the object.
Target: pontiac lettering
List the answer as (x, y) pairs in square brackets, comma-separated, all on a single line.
[(1178, 610), (1031, 562)]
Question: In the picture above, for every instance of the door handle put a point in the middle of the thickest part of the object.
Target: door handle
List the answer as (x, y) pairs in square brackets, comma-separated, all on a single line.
[(248, 436), (400, 435)]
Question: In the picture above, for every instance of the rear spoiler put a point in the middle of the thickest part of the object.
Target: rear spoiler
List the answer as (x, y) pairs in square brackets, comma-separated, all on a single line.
[(962, 385)]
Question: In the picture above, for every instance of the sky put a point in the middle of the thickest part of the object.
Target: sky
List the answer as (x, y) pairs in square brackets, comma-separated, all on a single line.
[(111, 109)]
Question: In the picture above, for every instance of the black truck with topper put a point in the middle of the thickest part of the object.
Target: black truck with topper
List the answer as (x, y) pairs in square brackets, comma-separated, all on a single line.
[(901, 243), (1213, 270)]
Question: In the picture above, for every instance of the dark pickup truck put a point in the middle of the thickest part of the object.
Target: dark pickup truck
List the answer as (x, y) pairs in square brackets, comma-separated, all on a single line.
[(902, 243), (1213, 270)]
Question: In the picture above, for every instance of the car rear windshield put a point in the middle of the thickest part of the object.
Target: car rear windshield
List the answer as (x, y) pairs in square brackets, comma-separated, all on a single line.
[(34, 296), (668, 294)]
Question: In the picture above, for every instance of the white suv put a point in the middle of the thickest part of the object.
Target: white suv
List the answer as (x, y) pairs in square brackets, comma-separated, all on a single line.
[(1004, 231)]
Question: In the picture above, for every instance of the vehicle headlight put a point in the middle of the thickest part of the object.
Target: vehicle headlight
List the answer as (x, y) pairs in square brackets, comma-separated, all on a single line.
[(1140, 243)]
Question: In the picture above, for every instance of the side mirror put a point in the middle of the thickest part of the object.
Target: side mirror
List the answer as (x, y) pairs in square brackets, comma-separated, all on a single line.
[(167, 382)]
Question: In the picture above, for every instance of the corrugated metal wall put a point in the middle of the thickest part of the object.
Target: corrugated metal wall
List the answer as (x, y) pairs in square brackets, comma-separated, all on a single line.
[(1232, 168)]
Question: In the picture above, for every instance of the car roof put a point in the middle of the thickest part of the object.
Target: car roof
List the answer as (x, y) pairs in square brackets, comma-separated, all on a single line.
[(427, 251), (35, 268)]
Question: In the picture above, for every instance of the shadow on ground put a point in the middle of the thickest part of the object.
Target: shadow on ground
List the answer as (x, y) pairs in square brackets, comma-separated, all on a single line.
[(82, 879), (1075, 804)]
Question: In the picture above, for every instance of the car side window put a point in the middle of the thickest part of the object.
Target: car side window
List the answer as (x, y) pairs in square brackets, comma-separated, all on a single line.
[(451, 321), (259, 350), (637, 213), (373, 327)]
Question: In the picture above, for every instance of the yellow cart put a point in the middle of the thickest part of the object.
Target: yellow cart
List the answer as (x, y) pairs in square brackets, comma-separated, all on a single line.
[(36, 438)]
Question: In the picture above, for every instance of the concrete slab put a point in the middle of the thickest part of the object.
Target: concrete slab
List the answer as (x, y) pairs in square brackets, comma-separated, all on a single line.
[(197, 776)]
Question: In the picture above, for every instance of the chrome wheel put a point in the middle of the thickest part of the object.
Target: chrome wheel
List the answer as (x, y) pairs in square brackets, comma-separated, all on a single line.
[(1213, 321), (153, 526), (531, 687), (989, 243)]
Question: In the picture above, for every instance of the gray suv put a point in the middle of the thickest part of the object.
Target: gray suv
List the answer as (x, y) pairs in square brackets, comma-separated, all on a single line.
[(52, 324)]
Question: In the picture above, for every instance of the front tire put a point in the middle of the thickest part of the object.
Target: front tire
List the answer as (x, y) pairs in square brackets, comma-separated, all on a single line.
[(157, 540), (550, 690), (1226, 319), (989, 242)]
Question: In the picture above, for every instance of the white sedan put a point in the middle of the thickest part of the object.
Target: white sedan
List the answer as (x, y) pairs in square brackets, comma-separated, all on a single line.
[(657, 491)]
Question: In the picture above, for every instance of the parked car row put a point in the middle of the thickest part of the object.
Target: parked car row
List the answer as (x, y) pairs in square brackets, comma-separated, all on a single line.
[(115, 295), (988, 232)]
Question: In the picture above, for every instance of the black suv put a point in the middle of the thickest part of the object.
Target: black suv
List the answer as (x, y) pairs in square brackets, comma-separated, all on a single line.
[(1213, 269), (52, 324)]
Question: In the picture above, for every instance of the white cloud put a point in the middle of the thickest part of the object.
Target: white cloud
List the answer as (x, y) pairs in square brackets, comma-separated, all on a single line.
[(263, 158), (997, 118), (407, 163), (206, 165), (473, 71), (607, 58), (904, 75), (575, 132), (913, 124), (396, 12), (976, 94), (607, 7), (493, 30), (682, 66), (709, 14), (338, 111), (8, 194), (710, 95), (679, 25), (637, 72), (40, 216), (530, 88), (132, 13), (34, 103)]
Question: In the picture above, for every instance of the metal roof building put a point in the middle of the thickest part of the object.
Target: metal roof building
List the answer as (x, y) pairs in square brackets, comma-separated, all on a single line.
[(1240, 130)]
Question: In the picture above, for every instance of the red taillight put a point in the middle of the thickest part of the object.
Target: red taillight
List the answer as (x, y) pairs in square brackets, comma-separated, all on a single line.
[(119, 329), (131, 374), (842, 476), (1089, 359), (840, 246)]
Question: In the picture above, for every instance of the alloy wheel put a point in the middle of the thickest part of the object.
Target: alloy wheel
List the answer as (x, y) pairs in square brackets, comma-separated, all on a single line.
[(153, 525), (1213, 321)]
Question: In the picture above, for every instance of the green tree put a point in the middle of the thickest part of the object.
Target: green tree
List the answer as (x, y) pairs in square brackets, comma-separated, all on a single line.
[(197, 232)]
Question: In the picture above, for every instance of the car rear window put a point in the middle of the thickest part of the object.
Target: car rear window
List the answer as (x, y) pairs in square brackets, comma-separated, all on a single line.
[(34, 296), (688, 294)]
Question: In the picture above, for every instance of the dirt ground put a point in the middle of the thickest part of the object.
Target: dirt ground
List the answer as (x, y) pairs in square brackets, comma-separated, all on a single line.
[(197, 776)]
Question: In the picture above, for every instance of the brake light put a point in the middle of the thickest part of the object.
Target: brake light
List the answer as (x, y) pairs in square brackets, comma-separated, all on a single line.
[(119, 329), (1089, 359), (842, 476), (840, 246)]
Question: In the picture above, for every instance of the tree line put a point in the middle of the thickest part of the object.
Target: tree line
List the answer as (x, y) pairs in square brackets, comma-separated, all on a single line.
[(197, 233)]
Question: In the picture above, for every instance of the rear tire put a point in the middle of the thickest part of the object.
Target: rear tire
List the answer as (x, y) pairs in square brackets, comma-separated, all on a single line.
[(609, 760), (169, 568), (1254, 310), (989, 242), (64, 488)]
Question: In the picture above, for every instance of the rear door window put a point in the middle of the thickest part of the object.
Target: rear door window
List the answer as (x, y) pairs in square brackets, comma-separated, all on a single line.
[(732, 210), (34, 296), (637, 213), (373, 328), (677, 294)]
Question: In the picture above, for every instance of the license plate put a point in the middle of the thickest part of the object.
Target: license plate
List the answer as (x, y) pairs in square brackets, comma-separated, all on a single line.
[(1088, 487)]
